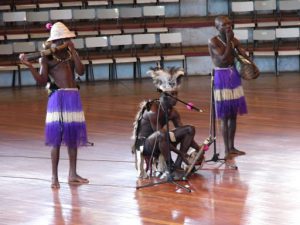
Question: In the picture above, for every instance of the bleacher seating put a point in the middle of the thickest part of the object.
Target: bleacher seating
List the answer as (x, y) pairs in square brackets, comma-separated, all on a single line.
[(40, 17), (100, 44), (93, 3), (123, 2), (154, 12), (48, 5), (288, 40), (239, 9), (243, 36), (14, 17), (25, 6), (123, 42), (145, 1), (172, 39), (130, 13), (145, 40), (17, 37), (6, 50), (265, 36), (288, 11), (265, 13), (71, 4), (107, 16), (84, 16), (144, 22), (5, 6), (264, 44), (168, 1)]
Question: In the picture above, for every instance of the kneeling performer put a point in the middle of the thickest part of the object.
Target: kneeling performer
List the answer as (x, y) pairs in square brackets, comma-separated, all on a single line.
[(150, 127)]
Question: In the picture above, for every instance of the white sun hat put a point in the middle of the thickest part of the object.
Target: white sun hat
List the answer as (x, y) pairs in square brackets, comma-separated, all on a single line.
[(60, 31)]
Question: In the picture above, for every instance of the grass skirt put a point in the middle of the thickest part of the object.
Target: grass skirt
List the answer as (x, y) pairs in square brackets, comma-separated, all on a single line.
[(65, 122), (228, 93)]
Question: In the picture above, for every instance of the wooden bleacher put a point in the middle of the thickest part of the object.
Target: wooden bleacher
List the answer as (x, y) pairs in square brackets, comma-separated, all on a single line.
[(93, 19)]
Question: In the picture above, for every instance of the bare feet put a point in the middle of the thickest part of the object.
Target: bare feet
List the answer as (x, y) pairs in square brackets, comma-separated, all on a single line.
[(230, 162), (228, 157), (78, 180), (236, 152), (55, 183)]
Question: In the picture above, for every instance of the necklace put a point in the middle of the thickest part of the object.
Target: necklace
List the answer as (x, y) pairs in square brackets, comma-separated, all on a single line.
[(63, 60), (220, 39)]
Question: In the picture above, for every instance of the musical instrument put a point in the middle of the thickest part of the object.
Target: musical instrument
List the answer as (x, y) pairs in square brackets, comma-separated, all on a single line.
[(204, 147), (49, 51), (246, 68)]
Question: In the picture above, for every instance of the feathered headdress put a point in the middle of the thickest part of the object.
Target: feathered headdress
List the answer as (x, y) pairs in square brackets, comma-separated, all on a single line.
[(166, 79)]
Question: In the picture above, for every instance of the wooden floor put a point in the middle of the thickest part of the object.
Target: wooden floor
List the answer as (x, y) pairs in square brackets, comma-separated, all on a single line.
[(265, 189)]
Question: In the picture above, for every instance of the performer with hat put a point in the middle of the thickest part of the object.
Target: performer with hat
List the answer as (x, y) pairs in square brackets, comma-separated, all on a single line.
[(65, 121), (150, 127)]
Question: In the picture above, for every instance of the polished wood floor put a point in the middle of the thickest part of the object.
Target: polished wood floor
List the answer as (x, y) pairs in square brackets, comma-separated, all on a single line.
[(265, 189)]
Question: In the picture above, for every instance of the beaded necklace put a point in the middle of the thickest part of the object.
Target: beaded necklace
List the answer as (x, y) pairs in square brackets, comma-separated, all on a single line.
[(220, 39), (63, 60)]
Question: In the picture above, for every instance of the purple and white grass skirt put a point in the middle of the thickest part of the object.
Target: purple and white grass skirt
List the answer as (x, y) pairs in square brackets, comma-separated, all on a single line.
[(65, 122), (228, 93)]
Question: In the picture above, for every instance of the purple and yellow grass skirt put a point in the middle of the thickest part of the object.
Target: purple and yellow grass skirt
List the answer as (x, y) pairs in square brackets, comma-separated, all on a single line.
[(228, 93), (65, 122)]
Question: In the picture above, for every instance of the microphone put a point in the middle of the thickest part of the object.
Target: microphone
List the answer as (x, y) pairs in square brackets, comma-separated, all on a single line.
[(50, 51), (190, 106)]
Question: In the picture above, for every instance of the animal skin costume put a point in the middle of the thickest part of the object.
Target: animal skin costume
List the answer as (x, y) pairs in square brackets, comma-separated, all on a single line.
[(164, 80)]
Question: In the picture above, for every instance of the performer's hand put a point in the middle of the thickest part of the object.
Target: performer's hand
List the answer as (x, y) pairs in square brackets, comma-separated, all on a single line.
[(235, 44), (70, 44), (24, 60), (229, 35)]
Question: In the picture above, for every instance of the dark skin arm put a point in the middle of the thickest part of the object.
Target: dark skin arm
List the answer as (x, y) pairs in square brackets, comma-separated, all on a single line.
[(40, 77), (176, 119), (177, 122), (62, 73), (79, 68), (222, 56), (156, 117)]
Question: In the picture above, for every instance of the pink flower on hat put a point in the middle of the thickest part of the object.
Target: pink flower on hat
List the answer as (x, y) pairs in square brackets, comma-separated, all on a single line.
[(48, 26)]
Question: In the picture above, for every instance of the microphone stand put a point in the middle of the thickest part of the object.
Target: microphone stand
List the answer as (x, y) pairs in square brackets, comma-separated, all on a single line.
[(170, 178), (215, 157)]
